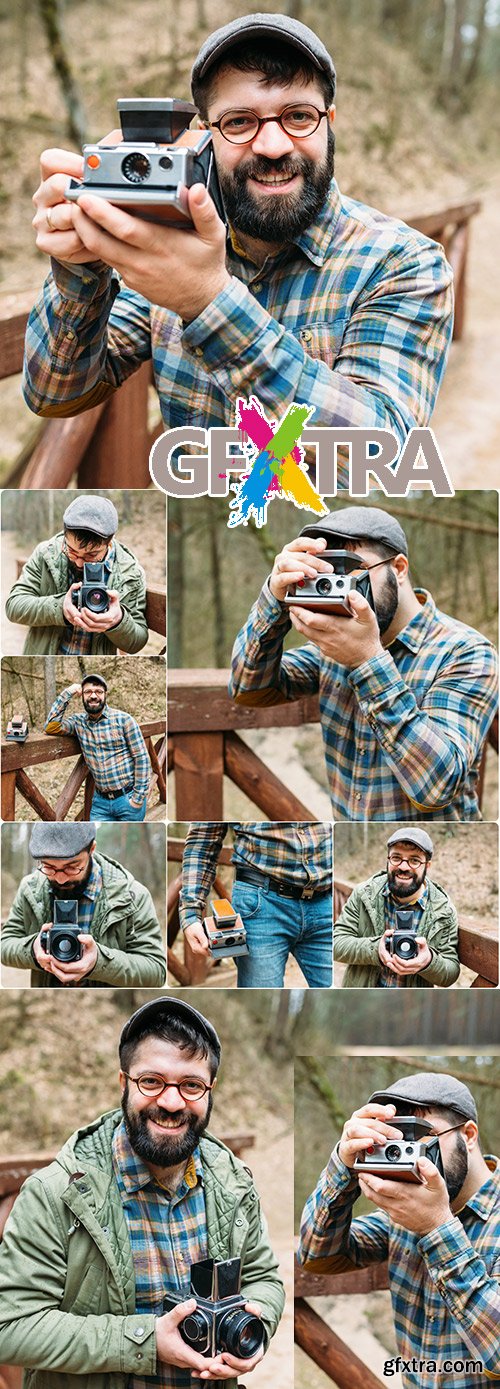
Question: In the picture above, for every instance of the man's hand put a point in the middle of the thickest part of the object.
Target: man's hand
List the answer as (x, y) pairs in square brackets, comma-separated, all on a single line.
[(54, 217), (170, 1347), (419, 1208), (347, 640), (226, 1366), (197, 938), (383, 953), (301, 559), (93, 622), (367, 1126), (74, 690), (398, 966), (72, 973), (181, 270)]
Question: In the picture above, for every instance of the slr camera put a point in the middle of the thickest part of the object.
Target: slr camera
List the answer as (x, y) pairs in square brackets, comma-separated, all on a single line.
[(397, 1159), (403, 941), (149, 172), (219, 1322), (17, 729), (61, 940), (93, 593), (330, 592), (225, 931)]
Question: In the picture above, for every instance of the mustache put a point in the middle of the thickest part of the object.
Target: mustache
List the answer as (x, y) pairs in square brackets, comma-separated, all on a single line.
[(158, 1114), (258, 164)]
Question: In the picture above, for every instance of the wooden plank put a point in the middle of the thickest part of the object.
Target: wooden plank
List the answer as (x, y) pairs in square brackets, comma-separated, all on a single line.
[(89, 792), (357, 1280), (198, 699), (177, 969), (33, 796), (156, 608), (479, 952), (175, 851), (160, 779), (14, 310), (327, 1350), (118, 454), (71, 788), (432, 223), (51, 747), (199, 771), (259, 783), (8, 795), (56, 456), (457, 256)]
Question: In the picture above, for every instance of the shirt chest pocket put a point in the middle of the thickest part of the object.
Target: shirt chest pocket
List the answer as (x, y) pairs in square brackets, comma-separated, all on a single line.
[(323, 341)]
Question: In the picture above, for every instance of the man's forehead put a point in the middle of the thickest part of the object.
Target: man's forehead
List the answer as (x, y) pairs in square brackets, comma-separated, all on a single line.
[(157, 1053), (405, 844), (241, 87)]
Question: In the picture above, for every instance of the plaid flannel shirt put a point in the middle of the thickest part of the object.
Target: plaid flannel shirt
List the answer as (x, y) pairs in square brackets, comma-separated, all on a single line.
[(354, 318), (300, 853), (403, 732), (388, 980), (77, 642), (112, 745), (445, 1285), (167, 1233)]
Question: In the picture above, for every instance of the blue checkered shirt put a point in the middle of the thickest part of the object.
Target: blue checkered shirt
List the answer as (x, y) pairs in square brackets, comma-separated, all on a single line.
[(388, 980), (445, 1286), (167, 1233), (300, 853), (403, 733), (354, 318), (76, 642), (112, 745)]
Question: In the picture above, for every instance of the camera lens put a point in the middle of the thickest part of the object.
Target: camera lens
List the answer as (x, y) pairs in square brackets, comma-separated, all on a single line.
[(339, 583), (136, 167), (240, 1334), (66, 948), (393, 1152), (166, 162), (323, 586), (195, 1330)]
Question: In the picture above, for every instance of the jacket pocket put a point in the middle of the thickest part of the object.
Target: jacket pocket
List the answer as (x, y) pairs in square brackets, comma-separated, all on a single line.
[(323, 341)]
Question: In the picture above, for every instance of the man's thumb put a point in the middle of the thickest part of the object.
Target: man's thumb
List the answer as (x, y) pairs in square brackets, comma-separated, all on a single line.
[(202, 209), (182, 1310), (428, 1170), (359, 604)]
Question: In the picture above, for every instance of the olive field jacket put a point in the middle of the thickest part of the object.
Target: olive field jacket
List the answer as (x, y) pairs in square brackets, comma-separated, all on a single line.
[(67, 1287), (36, 600), (361, 925)]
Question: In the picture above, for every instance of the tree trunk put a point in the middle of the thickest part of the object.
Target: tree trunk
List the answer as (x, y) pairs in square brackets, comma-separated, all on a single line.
[(50, 12)]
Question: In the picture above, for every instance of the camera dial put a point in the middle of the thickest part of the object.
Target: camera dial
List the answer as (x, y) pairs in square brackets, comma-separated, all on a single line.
[(324, 585), (136, 167), (393, 1152)]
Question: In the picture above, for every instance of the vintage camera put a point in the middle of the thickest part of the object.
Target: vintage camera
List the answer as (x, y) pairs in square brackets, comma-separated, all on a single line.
[(403, 942), (61, 940), (149, 171), (225, 931), (330, 592), (93, 593), (17, 729), (219, 1322), (397, 1159)]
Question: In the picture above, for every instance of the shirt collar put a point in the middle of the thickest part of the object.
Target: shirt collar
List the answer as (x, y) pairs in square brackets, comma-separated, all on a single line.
[(103, 717), (484, 1201), (316, 240), (413, 906), (416, 632), (93, 887), (134, 1174)]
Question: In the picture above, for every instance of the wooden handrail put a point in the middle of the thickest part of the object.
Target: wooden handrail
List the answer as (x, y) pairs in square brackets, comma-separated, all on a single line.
[(42, 748)]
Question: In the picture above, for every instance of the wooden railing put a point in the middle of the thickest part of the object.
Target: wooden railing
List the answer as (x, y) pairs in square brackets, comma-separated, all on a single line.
[(476, 951), (337, 1360), (109, 445), (193, 970), (42, 748), (204, 747)]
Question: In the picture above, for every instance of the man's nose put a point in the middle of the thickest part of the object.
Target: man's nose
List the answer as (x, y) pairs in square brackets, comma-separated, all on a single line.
[(171, 1099), (272, 141)]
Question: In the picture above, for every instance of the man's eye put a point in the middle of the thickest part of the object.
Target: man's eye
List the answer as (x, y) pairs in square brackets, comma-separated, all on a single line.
[(299, 117), (151, 1082), (243, 122), (192, 1087)]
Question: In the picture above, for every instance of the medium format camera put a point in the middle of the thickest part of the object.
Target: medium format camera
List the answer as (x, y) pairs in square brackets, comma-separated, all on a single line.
[(330, 592), (225, 931), (397, 1159), (61, 940), (93, 594), (17, 729), (219, 1322), (150, 170), (403, 941)]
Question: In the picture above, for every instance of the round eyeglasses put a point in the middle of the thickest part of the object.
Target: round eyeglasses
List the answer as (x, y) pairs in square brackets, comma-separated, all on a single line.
[(241, 127), (412, 862), (153, 1085)]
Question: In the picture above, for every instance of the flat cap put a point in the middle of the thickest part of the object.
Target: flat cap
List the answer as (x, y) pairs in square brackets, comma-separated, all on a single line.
[(167, 1007), (409, 835), (363, 523), (91, 514), (95, 679), (427, 1088), (61, 839), (263, 26)]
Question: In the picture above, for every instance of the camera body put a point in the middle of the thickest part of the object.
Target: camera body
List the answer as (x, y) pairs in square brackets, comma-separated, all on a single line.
[(149, 171), (397, 1159), (61, 940), (330, 592), (225, 931), (219, 1322), (17, 729), (93, 594), (403, 942)]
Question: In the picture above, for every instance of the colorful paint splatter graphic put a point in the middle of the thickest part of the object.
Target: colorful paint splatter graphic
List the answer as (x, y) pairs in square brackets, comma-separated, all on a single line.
[(277, 467)]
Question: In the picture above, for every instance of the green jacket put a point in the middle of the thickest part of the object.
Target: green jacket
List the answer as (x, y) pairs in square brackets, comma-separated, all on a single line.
[(131, 954), (67, 1288), (36, 600), (361, 926)]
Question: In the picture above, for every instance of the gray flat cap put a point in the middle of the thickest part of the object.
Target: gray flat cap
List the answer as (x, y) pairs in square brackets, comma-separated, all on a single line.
[(95, 679), (61, 839), (429, 1089), (92, 514), (409, 835), (263, 26), (166, 1007), (363, 522)]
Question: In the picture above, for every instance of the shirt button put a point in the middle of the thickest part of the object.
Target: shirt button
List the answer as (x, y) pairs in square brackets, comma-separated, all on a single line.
[(139, 1331), (306, 335), (257, 288), (139, 1355), (70, 335), (198, 352), (358, 796), (238, 1221)]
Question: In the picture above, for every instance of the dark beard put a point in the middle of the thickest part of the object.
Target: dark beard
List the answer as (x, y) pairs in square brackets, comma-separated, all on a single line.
[(169, 1150), (399, 890), (287, 215), (93, 709), (72, 889), (457, 1168), (386, 605)]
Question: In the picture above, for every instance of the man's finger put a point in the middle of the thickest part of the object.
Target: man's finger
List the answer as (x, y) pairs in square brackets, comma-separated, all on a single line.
[(114, 228), (56, 161), (203, 211)]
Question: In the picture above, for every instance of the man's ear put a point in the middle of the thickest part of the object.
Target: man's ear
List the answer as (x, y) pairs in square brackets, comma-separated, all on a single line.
[(471, 1134), (331, 115), (123, 1081)]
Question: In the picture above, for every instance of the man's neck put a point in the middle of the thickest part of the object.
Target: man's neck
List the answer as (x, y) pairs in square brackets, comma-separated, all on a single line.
[(478, 1174), (409, 901), (408, 607), (255, 250), (169, 1177)]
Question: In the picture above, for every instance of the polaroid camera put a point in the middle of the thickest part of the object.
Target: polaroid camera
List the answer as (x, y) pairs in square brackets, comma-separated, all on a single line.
[(397, 1159)]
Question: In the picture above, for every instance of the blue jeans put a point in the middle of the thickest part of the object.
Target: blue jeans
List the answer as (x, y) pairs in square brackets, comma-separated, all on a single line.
[(119, 809), (277, 927)]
